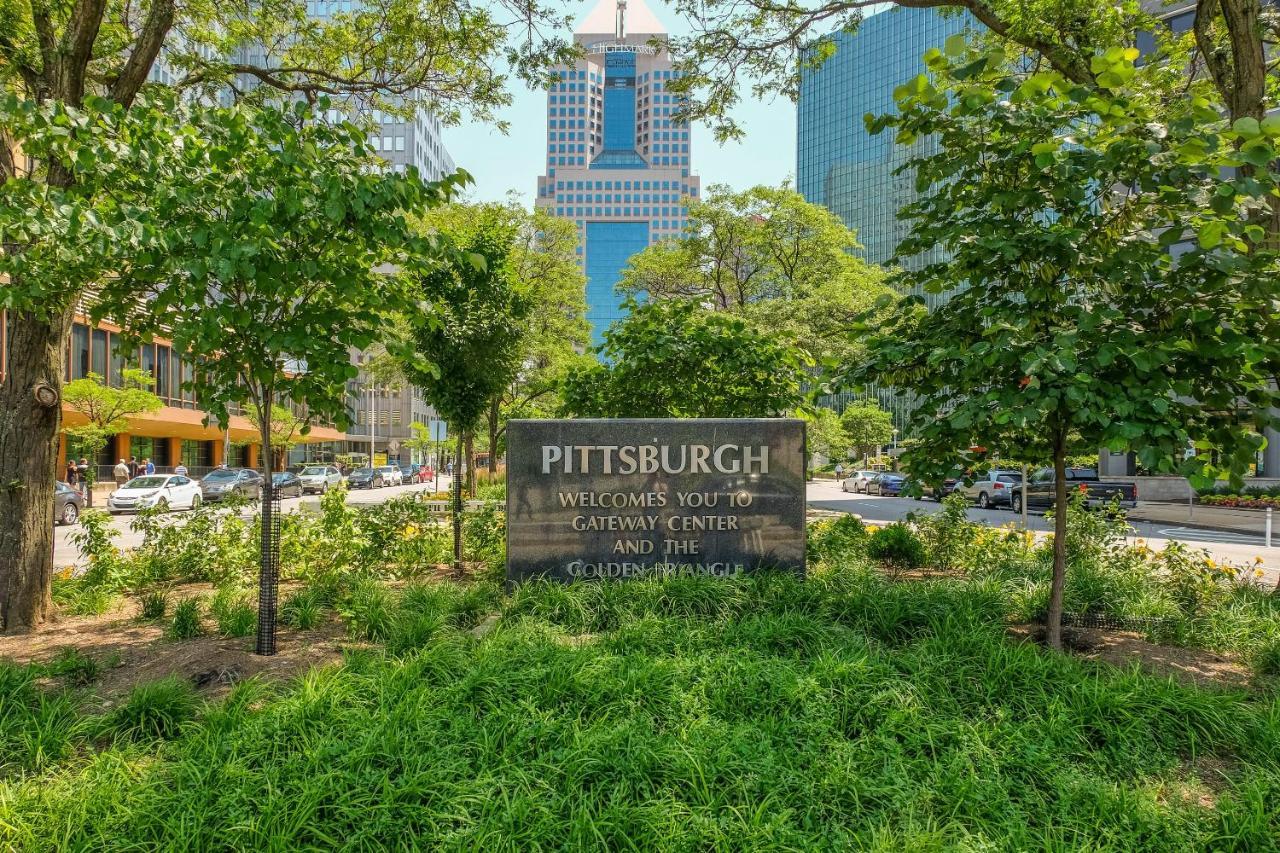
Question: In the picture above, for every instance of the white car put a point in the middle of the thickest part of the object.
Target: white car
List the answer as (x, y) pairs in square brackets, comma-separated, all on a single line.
[(391, 475), (162, 491), (857, 481), (319, 478)]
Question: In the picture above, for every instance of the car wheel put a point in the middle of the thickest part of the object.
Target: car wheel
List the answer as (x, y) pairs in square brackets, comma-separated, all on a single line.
[(324, 488), (1016, 503), (162, 505), (195, 502), (70, 513), (984, 502)]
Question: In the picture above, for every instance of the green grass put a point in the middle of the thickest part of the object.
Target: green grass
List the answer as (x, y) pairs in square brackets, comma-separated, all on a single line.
[(844, 712), (186, 622)]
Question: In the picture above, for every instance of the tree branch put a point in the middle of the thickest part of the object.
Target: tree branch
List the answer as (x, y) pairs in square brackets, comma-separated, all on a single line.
[(145, 50)]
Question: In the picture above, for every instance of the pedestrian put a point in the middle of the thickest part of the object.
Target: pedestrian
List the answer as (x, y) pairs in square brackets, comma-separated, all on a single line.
[(82, 472), (181, 470), (121, 473), (839, 471), (149, 466), (73, 474), (134, 468)]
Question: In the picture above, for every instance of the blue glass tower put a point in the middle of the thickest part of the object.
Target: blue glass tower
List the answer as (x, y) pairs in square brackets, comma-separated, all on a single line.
[(617, 160), (838, 164)]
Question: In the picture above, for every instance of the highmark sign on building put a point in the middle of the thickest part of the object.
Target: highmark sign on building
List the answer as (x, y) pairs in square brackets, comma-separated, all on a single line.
[(590, 499)]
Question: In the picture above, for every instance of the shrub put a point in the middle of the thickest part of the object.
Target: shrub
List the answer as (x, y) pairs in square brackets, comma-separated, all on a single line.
[(948, 535), (152, 711), (234, 612), (186, 620), (154, 604), (835, 537), (72, 665), (367, 609), (1267, 660), (897, 548), (302, 610)]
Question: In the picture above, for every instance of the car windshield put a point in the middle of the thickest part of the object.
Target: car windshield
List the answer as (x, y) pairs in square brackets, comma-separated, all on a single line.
[(281, 476), (145, 483), (362, 472), (1010, 478), (220, 474), (62, 487), (313, 470)]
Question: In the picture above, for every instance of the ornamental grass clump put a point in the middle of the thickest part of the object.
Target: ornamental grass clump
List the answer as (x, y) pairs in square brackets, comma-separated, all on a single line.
[(152, 711)]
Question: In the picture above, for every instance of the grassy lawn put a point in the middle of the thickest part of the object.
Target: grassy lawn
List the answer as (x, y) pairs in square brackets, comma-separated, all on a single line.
[(841, 712)]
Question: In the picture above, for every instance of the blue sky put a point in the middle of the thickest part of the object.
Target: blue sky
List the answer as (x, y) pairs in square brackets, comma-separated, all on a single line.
[(766, 155)]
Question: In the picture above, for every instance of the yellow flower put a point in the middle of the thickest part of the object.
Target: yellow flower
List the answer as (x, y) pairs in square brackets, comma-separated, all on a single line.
[(1257, 560), (410, 531), (1257, 573)]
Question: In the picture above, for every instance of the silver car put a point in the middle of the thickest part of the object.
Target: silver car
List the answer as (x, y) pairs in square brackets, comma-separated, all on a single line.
[(995, 488), (857, 481), (319, 478)]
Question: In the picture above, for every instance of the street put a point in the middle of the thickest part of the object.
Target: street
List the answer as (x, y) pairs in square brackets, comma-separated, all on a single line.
[(1225, 547), (65, 552)]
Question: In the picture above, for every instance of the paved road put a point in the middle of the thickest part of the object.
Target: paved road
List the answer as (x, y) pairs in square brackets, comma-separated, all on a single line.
[(1226, 547), (65, 552)]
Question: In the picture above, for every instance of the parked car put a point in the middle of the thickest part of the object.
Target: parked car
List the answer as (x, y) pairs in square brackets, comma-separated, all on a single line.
[(857, 481), (287, 484), (409, 473), (390, 475), (1042, 488), (222, 483), (886, 484), (939, 493), (993, 488), (319, 478), (67, 503), (159, 491), (365, 478)]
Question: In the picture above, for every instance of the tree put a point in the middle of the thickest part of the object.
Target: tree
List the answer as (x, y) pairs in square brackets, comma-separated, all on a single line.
[(675, 359), (554, 332), (65, 178), (286, 427), (107, 409), (867, 425), (824, 435), (1067, 315), (464, 344), (261, 261), (767, 254)]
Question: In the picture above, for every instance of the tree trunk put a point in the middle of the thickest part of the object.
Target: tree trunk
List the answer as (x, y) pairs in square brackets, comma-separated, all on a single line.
[(457, 511), (493, 438), (269, 563), (1053, 616), (30, 418), (471, 463)]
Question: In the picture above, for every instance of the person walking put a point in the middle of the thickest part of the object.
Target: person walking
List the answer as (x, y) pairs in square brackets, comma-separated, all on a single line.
[(839, 471), (82, 472), (134, 468), (148, 466), (180, 470), (73, 474), (121, 474)]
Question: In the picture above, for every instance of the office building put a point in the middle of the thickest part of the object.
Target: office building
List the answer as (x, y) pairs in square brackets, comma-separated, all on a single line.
[(847, 170), (618, 161)]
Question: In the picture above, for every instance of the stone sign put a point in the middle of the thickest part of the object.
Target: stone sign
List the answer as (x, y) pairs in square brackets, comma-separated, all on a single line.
[(591, 499)]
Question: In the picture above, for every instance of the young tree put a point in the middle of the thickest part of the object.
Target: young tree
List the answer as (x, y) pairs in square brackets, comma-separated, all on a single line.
[(107, 410), (553, 331), (464, 343), (1068, 315), (675, 359), (64, 178), (767, 254), (262, 262), (286, 427), (867, 425), (824, 435)]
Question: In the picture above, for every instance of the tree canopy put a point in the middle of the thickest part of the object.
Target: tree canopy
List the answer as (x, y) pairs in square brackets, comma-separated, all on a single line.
[(673, 358), (767, 254), (867, 425), (1100, 268)]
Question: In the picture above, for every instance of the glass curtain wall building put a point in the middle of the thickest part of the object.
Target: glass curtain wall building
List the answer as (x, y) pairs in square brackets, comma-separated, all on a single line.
[(617, 160), (847, 170)]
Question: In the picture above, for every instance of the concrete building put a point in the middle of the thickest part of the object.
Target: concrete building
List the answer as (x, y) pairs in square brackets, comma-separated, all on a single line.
[(618, 162)]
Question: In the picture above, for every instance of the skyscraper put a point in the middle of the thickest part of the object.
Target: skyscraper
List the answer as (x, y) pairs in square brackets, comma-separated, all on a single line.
[(838, 164), (617, 160)]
